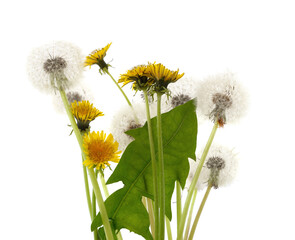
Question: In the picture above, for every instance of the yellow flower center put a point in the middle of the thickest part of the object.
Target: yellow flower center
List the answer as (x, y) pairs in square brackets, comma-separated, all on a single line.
[(100, 150)]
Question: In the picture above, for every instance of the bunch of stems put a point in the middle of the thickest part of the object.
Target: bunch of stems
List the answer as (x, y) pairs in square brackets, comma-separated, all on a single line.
[(155, 209), (93, 178)]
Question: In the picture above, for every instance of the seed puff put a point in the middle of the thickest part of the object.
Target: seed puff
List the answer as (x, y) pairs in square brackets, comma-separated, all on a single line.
[(221, 97), (54, 65), (221, 166)]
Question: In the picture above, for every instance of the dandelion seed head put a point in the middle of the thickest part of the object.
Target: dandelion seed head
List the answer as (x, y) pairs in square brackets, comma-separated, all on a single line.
[(220, 166), (54, 65), (125, 120), (179, 100), (221, 96)]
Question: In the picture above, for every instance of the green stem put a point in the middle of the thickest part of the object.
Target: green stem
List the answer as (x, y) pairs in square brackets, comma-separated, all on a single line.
[(151, 215), (161, 182), (94, 214), (194, 181), (125, 96), (103, 184), (107, 194), (154, 165), (72, 120), (102, 208), (178, 203), (121, 90), (168, 226), (87, 190), (188, 223), (80, 141), (199, 212)]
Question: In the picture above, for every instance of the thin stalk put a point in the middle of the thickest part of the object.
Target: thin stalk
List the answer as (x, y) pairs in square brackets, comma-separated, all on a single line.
[(102, 208), (87, 190), (92, 174), (154, 166), (151, 215), (161, 182), (194, 226), (188, 223), (107, 194), (194, 181), (103, 184), (72, 119), (178, 203), (121, 90), (94, 214), (168, 227)]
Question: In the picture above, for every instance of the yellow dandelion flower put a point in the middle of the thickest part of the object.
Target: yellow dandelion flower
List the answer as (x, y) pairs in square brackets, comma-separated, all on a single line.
[(138, 76), (97, 57), (84, 112), (162, 76), (100, 150)]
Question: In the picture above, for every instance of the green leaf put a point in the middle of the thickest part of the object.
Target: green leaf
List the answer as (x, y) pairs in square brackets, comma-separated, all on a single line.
[(101, 233), (124, 206)]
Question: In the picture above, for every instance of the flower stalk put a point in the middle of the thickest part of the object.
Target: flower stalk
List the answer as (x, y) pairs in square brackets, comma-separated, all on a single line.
[(94, 211), (95, 185), (178, 202), (121, 90), (161, 182), (194, 226), (168, 227), (188, 223), (87, 190), (154, 165), (195, 179), (102, 208)]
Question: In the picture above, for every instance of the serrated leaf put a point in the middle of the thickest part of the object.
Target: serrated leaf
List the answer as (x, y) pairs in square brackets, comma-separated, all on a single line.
[(124, 206)]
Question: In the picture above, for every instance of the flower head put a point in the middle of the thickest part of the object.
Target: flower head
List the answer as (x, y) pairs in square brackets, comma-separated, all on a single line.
[(162, 76), (78, 93), (54, 66), (181, 92), (100, 150), (138, 76), (222, 98), (84, 112), (125, 120), (97, 57), (220, 168)]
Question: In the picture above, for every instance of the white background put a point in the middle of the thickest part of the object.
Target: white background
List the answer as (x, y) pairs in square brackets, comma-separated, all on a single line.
[(41, 181)]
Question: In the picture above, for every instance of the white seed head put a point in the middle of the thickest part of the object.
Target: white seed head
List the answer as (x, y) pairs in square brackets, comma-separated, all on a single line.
[(57, 61), (125, 120), (181, 92), (77, 93), (221, 164), (222, 96)]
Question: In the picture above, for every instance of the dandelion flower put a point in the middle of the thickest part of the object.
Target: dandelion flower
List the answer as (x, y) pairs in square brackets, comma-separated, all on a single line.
[(54, 66), (162, 76), (220, 168), (84, 112), (97, 57), (138, 76), (125, 120), (221, 97), (100, 150)]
